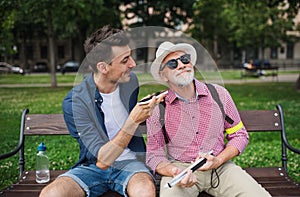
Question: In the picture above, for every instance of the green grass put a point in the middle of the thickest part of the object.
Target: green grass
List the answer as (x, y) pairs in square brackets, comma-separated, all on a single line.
[(69, 77), (36, 79), (263, 150)]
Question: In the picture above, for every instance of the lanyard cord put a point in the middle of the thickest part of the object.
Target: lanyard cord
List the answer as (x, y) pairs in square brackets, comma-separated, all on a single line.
[(211, 179)]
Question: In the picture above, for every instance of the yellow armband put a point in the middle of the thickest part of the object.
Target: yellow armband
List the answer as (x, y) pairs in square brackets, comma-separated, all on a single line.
[(235, 128)]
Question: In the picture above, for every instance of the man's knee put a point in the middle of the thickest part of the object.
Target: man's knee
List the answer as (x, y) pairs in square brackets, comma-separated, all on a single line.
[(141, 184), (63, 186)]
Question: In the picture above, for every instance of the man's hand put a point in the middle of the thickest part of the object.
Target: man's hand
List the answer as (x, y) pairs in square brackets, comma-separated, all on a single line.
[(189, 179), (141, 112), (212, 162)]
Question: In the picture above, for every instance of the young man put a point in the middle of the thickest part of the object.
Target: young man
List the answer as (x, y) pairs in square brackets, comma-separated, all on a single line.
[(101, 113), (195, 125)]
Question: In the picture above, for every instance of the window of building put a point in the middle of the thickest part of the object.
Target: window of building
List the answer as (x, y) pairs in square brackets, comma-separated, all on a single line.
[(61, 52), (290, 50), (44, 52), (274, 53)]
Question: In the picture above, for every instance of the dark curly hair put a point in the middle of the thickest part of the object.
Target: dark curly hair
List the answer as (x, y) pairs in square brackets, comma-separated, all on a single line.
[(98, 46)]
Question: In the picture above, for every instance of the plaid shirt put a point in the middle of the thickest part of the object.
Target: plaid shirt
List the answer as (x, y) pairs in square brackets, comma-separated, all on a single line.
[(194, 126)]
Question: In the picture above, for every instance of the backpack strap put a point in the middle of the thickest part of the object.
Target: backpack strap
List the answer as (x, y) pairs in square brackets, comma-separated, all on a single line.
[(216, 97)]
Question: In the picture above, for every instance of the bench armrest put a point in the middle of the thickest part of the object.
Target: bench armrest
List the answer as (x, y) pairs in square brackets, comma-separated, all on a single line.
[(283, 133), (21, 139)]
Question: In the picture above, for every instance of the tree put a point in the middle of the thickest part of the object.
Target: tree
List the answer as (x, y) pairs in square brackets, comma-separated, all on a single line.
[(60, 16), (6, 27), (209, 27), (244, 24), (57, 19), (170, 14)]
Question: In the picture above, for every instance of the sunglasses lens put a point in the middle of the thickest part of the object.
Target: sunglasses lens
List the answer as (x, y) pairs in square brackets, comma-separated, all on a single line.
[(185, 59), (172, 64)]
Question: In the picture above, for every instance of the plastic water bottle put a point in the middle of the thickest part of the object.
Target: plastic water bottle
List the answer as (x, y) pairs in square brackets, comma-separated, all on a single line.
[(42, 165)]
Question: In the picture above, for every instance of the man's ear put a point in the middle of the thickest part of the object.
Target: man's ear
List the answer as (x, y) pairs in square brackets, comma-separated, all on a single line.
[(163, 76), (102, 67)]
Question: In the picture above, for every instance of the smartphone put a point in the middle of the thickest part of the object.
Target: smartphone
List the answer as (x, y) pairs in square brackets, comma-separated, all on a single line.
[(147, 100)]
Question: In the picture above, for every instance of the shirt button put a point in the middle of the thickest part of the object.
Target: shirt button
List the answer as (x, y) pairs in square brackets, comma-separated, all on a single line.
[(197, 132)]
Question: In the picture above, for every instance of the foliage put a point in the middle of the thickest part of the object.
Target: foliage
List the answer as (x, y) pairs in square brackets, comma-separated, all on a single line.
[(6, 26), (243, 24), (207, 31), (54, 19), (159, 13), (173, 14)]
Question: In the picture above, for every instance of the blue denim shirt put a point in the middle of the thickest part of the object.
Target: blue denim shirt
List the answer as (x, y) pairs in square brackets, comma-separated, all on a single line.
[(85, 119)]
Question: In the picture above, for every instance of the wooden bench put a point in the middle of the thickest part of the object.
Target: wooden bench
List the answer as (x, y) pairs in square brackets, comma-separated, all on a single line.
[(274, 179)]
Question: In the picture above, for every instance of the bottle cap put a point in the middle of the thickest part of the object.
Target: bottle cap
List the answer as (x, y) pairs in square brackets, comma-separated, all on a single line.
[(42, 147)]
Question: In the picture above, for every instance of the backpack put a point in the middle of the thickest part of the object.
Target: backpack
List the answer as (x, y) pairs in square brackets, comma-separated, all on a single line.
[(216, 98)]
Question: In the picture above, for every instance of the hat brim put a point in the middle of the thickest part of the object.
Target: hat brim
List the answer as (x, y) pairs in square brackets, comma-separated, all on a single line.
[(186, 48)]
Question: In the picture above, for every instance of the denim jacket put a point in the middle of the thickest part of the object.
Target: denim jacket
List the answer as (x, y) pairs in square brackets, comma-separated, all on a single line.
[(85, 119)]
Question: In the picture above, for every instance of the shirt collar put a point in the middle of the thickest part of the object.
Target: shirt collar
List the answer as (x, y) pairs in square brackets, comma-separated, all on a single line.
[(201, 90)]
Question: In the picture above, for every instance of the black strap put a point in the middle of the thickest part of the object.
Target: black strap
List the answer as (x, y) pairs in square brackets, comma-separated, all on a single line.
[(216, 98), (162, 109)]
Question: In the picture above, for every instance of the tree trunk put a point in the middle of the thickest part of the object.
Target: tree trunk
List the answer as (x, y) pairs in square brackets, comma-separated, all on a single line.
[(51, 43), (298, 83), (27, 67), (215, 49)]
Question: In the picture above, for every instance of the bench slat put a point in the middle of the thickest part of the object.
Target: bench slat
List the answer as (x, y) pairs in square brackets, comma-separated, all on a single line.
[(271, 172), (20, 194), (261, 120), (284, 192), (45, 124), (27, 187), (53, 124), (275, 183)]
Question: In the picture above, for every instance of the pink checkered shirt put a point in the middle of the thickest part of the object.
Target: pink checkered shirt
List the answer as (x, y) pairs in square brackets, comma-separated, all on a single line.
[(193, 126)]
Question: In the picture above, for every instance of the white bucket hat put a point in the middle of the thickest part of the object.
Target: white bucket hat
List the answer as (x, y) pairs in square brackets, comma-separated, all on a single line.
[(165, 49)]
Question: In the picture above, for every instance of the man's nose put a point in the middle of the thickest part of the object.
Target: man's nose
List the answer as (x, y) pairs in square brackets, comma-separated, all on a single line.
[(132, 63), (180, 65)]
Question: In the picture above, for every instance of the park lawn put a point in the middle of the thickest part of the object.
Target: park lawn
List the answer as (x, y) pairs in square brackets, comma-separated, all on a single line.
[(63, 150)]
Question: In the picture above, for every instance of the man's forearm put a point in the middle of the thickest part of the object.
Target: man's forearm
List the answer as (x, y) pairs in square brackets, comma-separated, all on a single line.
[(227, 154), (165, 168), (109, 152)]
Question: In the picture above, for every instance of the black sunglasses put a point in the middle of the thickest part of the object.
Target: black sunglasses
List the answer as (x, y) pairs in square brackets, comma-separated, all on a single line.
[(173, 63)]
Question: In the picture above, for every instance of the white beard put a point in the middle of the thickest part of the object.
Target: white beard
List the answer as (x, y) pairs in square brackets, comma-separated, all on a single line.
[(183, 79)]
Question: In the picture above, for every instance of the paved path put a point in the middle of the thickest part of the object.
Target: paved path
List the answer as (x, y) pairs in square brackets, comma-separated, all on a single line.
[(281, 78)]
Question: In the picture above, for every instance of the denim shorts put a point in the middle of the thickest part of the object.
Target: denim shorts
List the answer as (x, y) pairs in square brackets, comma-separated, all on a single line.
[(95, 181)]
